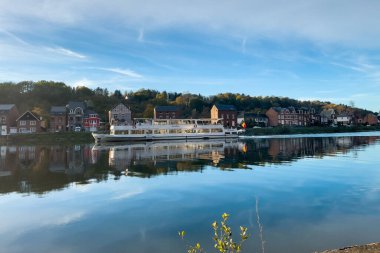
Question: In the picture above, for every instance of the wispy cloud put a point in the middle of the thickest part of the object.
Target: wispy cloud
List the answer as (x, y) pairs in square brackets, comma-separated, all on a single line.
[(66, 52), (14, 37), (124, 72)]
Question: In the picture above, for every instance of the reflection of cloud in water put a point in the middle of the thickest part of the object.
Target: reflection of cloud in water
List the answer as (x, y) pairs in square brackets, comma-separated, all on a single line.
[(66, 219), (127, 195)]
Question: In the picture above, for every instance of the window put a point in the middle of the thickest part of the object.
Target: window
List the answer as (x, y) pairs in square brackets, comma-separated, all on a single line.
[(32, 123), (22, 122), (3, 119), (32, 129)]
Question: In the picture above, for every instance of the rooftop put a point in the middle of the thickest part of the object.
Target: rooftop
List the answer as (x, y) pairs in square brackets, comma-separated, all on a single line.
[(166, 108), (6, 107), (225, 107)]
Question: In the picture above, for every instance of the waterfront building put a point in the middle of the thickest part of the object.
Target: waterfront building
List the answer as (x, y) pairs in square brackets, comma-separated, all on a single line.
[(166, 112), (28, 123), (75, 112), (227, 113), (120, 115), (8, 116), (58, 119)]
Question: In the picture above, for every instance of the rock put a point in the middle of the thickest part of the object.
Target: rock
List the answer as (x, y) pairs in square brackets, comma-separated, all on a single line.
[(368, 248)]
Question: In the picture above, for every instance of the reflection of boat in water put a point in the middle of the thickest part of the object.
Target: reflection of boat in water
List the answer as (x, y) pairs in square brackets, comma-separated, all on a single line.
[(122, 156), (167, 129)]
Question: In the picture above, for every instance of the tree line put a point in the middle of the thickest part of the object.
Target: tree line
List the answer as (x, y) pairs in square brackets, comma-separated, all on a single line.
[(41, 95)]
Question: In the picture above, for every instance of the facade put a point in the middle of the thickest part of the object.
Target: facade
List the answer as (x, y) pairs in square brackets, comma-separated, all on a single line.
[(254, 119), (120, 115), (327, 116), (8, 116), (28, 123), (278, 116), (227, 113), (343, 119), (371, 119), (166, 112), (91, 121), (58, 119), (75, 115)]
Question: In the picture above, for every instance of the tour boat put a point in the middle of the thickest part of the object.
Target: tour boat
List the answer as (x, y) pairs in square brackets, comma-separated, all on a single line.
[(167, 129)]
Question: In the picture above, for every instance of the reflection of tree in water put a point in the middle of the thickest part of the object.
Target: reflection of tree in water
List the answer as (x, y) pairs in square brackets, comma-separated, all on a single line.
[(41, 169)]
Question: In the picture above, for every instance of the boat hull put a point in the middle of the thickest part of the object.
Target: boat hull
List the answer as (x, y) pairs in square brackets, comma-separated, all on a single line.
[(120, 137)]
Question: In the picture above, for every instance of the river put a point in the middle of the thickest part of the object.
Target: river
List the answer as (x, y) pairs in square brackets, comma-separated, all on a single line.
[(300, 194)]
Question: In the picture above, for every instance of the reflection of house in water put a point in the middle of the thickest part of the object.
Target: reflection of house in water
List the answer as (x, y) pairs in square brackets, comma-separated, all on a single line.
[(287, 149), (77, 156), (58, 159), (122, 157)]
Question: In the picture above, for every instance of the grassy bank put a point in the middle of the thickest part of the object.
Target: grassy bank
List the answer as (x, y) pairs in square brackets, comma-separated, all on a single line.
[(47, 138), (308, 130)]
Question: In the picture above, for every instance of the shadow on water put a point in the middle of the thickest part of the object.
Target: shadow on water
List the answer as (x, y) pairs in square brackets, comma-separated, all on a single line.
[(40, 169)]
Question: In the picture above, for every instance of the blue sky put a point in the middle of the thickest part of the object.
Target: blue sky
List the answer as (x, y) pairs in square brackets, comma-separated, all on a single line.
[(316, 49)]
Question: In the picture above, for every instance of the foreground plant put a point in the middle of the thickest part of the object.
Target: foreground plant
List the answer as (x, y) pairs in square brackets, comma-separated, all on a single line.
[(222, 237)]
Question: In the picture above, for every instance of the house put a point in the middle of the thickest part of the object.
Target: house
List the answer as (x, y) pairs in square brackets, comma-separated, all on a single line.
[(8, 116), (58, 119), (227, 113), (278, 116), (343, 119), (256, 119), (91, 121), (371, 119), (28, 123), (75, 111), (327, 116), (166, 112), (120, 115)]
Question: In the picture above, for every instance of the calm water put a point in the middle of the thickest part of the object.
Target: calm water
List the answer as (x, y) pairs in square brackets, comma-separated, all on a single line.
[(294, 194)]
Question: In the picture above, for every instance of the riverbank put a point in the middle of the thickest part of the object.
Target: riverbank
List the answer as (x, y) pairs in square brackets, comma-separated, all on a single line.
[(368, 248), (48, 138), (308, 130)]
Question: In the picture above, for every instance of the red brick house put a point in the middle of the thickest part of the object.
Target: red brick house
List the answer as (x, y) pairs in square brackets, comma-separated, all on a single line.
[(28, 123), (8, 116), (371, 119), (91, 121), (58, 119), (227, 113), (166, 112), (278, 116)]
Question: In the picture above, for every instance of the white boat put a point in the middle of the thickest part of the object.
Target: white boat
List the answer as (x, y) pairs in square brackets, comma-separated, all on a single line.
[(167, 129)]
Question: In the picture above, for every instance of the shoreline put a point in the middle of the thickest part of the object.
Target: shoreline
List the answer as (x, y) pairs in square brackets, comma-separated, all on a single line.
[(269, 131), (278, 132)]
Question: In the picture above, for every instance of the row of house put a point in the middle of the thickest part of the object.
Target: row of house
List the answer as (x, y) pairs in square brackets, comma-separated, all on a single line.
[(11, 121), (290, 116), (77, 116)]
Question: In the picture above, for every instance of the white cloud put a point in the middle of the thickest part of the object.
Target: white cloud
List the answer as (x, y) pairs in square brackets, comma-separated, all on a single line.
[(124, 72), (84, 82), (66, 52), (349, 22)]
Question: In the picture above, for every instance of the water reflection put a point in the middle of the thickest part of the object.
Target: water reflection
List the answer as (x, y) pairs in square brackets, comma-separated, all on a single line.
[(40, 169)]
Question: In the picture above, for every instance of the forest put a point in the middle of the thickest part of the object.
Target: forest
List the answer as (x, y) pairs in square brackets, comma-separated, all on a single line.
[(41, 95)]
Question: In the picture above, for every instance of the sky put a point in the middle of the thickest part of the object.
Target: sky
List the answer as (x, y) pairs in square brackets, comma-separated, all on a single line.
[(327, 50)]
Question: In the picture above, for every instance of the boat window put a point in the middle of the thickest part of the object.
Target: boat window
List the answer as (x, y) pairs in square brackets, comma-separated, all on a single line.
[(137, 131), (148, 131), (216, 130)]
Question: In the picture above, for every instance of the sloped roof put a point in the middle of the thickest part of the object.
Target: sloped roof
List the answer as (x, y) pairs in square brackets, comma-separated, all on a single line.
[(6, 107), (225, 107), (166, 108), (255, 115), (76, 104), (28, 116), (58, 109)]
